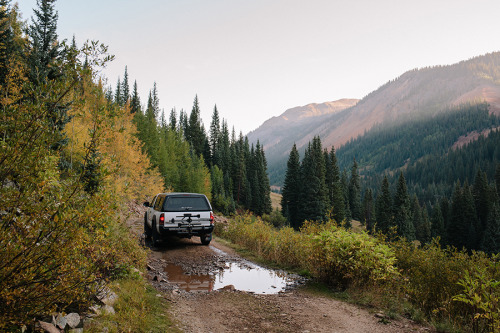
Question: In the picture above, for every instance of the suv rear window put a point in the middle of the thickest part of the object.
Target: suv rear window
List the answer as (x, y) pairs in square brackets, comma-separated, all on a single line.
[(185, 204)]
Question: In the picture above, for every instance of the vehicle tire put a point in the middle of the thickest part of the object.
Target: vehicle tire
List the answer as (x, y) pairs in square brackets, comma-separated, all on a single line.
[(205, 239), (155, 235), (147, 229)]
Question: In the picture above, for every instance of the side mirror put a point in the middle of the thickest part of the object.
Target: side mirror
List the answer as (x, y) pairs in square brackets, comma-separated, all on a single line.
[(146, 204)]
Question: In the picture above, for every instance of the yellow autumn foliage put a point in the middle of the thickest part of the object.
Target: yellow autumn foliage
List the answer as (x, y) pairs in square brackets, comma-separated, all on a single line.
[(128, 172), (59, 243)]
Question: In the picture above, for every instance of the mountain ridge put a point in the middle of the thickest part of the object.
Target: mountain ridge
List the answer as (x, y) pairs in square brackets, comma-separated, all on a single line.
[(416, 93)]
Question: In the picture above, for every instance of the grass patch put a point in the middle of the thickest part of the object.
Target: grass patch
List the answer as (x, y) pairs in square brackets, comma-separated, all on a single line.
[(138, 309)]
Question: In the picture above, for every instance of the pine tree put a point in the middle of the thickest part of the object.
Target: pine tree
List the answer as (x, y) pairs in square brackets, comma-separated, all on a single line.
[(183, 123), (172, 120), (135, 102), (383, 211), (118, 93), (335, 193), (45, 49), (155, 101), (368, 214), (92, 177), (344, 182), (215, 135), (482, 201), (125, 91), (315, 203), (355, 192), (292, 188), (437, 226), (461, 218), (44, 57), (420, 221), (446, 212), (402, 213), (426, 228), (470, 217), (491, 239), (195, 133), (497, 179), (265, 204)]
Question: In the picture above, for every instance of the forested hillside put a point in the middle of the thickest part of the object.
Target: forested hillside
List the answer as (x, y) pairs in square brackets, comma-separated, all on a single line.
[(423, 149), (74, 154), (415, 95)]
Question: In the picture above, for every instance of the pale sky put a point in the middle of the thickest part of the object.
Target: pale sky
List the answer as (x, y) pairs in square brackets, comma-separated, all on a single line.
[(257, 58)]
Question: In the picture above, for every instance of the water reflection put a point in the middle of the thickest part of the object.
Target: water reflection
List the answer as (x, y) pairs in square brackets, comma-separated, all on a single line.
[(244, 276), (187, 282), (252, 278)]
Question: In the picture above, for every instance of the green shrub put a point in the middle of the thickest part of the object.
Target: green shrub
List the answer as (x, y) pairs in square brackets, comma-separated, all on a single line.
[(330, 253), (343, 258), (438, 281), (276, 219)]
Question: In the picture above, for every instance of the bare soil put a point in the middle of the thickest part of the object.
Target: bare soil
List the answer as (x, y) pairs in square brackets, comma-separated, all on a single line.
[(229, 310)]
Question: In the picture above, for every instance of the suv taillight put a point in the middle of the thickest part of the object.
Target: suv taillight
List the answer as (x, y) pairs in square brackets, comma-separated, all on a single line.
[(162, 220), (211, 218)]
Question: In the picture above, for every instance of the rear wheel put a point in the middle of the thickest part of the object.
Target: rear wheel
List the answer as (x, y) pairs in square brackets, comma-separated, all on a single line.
[(147, 228), (205, 239), (155, 235)]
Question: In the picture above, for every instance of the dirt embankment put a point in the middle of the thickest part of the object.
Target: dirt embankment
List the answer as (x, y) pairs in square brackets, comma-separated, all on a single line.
[(189, 275)]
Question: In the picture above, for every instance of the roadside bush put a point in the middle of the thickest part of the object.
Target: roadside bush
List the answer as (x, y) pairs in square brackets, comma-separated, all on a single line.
[(481, 292), (329, 252), (276, 219), (343, 258), (451, 285)]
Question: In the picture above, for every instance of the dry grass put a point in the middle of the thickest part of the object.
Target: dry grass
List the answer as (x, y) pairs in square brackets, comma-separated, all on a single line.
[(276, 200)]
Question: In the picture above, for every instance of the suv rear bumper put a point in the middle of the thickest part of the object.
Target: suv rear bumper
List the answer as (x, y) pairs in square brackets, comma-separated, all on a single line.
[(186, 230)]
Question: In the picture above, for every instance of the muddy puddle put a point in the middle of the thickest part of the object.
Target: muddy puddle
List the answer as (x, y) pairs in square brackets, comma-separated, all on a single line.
[(240, 274)]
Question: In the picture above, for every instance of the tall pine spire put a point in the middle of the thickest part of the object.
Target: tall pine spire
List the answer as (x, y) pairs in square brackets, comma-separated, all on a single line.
[(125, 88), (44, 45), (402, 210), (135, 102)]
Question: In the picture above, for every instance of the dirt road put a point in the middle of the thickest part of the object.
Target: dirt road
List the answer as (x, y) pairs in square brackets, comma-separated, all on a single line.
[(196, 279)]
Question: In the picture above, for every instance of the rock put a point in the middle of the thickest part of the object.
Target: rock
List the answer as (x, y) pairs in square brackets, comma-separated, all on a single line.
[(95, 309), (76, 330), (48, 327), (108, 309), (109, 298), (229, 287), (149, 268), (60, 321), (87, 321), (73, 319), (380, 315)]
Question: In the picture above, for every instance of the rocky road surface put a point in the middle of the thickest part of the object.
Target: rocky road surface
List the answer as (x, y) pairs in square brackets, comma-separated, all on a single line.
[(183, 271)]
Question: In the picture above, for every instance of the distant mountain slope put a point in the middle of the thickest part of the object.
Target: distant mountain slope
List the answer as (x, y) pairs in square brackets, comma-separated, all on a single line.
[(297, 122), (416, 94)]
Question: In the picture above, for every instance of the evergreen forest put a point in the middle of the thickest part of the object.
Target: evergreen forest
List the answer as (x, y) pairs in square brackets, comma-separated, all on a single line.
[(410, 180), (223, 166)]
